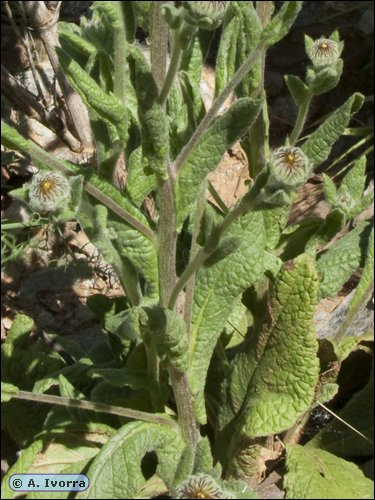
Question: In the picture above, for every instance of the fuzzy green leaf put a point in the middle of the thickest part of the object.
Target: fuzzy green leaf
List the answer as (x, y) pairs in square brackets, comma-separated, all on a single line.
[(207, 153), (7, 392), (217, 289), (226, 56), (322, 80), (318, 145), (272, 381), (330, 191), (319, 474), (168, 332), (116, 470), (107, 106), (110, 11), (367, 279), (72, 33), (21, 326), (281, 23), (298, 90), (141, 180), (340, 261), (354, 181), (154, 122), (141, 252), (250, 29)]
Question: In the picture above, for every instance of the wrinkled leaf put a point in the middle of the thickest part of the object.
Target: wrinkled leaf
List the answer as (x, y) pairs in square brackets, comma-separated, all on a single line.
[(116, 470), (319, 474), (207, 153), (318, 145)]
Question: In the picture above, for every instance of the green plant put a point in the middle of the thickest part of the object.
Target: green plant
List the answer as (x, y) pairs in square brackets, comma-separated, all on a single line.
[(170, 381)]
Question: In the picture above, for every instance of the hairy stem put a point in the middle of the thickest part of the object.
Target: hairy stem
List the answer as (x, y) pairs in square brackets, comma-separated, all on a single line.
[(258, 133), (300, 121), (172, 70), (99, 407), (159, 43), (184, 403), (219, 101)]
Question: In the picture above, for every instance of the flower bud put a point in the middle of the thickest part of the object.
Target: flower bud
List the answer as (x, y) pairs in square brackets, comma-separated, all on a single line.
[(324, 52), (206, 15), (290, 167), (49, 192)]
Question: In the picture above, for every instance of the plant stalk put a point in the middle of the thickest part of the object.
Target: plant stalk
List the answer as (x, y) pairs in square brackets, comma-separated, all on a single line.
[(300, 121), (99, 407), (159, 43), (172, 69), (167, 240)]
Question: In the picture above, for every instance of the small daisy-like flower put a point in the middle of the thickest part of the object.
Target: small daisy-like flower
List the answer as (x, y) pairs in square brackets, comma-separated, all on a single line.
[(49, 192), (289, 166), (324, 52), (206, 15), (199, 486)]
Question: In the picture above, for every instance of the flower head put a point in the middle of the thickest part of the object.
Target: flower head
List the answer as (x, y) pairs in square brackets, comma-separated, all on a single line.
[(206, 15), (49, 192), (290, 166), (199, 486), (324, 52)]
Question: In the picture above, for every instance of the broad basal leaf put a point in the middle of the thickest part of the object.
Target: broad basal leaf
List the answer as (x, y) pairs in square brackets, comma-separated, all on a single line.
[(217, 288), (272, 381), (207, 153), (319, 474), (116, 471)]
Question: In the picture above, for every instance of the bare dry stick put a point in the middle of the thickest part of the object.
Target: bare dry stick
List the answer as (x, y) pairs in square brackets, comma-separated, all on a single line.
[(45, 22), (26, 101)]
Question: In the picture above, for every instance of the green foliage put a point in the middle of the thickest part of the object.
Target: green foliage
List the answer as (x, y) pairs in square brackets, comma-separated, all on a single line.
[(217, 324), (116, 470), (339, 262), (319, 474), (271, 381), (207, 154)]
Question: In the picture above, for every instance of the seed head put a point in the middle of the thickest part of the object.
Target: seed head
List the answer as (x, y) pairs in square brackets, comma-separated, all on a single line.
[(206, 15), (289, 166), (324, 52), (49, 192), (199, 486)]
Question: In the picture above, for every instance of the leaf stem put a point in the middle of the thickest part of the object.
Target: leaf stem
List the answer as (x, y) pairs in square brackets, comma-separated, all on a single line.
[(99, 407), (301, 119)]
